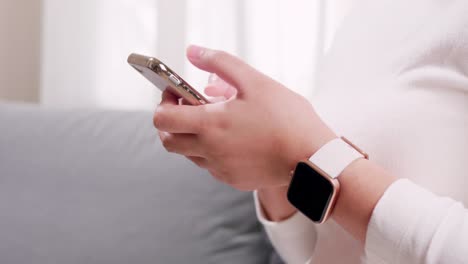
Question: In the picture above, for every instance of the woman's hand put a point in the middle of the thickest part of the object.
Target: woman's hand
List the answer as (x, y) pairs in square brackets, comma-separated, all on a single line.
[(254, 139), (251, 140)]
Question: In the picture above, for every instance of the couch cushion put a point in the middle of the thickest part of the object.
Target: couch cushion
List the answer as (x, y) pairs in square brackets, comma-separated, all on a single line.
[(82, 186)]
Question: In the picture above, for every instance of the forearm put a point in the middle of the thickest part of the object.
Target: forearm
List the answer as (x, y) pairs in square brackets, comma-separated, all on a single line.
[(398, 218), (362, 184)]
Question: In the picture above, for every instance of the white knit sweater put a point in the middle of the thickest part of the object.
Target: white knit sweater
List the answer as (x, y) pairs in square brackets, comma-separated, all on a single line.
[(396, 83)]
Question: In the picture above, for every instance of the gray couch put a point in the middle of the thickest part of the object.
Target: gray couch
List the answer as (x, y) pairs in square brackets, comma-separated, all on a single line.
[(91, 186)]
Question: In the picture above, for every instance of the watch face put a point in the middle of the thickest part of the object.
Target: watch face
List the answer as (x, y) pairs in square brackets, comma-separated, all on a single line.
[(310, 192)]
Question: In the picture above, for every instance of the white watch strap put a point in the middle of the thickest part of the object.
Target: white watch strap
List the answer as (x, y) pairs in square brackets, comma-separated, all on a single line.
[(335, 156)]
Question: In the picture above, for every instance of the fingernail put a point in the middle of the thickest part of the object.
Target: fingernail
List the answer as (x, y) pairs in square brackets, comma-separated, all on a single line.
[(195, 52)]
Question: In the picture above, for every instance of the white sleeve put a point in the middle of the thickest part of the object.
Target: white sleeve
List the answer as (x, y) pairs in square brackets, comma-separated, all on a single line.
[(294, 238), (412, 225)]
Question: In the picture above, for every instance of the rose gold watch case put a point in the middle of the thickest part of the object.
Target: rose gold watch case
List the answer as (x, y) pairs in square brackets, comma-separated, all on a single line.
[(336, 190), (334, 181), (164, 78)]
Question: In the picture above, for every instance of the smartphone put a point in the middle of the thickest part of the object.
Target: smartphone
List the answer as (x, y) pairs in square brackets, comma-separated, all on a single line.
[(164, 78)]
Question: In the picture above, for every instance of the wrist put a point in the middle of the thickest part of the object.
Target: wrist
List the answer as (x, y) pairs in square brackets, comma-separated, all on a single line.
[(310, 143), (274, 201), (315, 188)]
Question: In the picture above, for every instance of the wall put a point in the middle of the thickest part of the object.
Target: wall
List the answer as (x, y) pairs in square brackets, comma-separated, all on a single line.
[(73, 53), (85, 45), (19, 49)]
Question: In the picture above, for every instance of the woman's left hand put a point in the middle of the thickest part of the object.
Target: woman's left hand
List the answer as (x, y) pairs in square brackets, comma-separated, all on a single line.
[(251, 140)]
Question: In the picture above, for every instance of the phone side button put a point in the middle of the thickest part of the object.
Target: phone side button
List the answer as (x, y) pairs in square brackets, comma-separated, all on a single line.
[(174, 80), (185, 88)]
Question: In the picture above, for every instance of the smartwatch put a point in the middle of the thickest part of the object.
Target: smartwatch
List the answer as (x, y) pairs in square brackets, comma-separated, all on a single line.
[(314, 187)]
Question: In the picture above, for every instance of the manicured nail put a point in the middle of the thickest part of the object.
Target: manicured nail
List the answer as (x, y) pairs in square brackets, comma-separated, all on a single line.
[(195, 52)]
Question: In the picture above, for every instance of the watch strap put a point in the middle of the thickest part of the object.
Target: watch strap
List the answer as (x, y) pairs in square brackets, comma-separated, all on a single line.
[(336, 155)]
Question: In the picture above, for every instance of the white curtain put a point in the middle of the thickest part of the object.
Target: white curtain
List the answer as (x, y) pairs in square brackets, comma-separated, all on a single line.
[(85, 44)]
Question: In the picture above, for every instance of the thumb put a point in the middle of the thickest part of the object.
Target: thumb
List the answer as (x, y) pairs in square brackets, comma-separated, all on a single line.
[(228, 67)]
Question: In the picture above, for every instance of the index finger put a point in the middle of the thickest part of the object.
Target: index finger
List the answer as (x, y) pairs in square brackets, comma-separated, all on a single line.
[(230, 68)]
